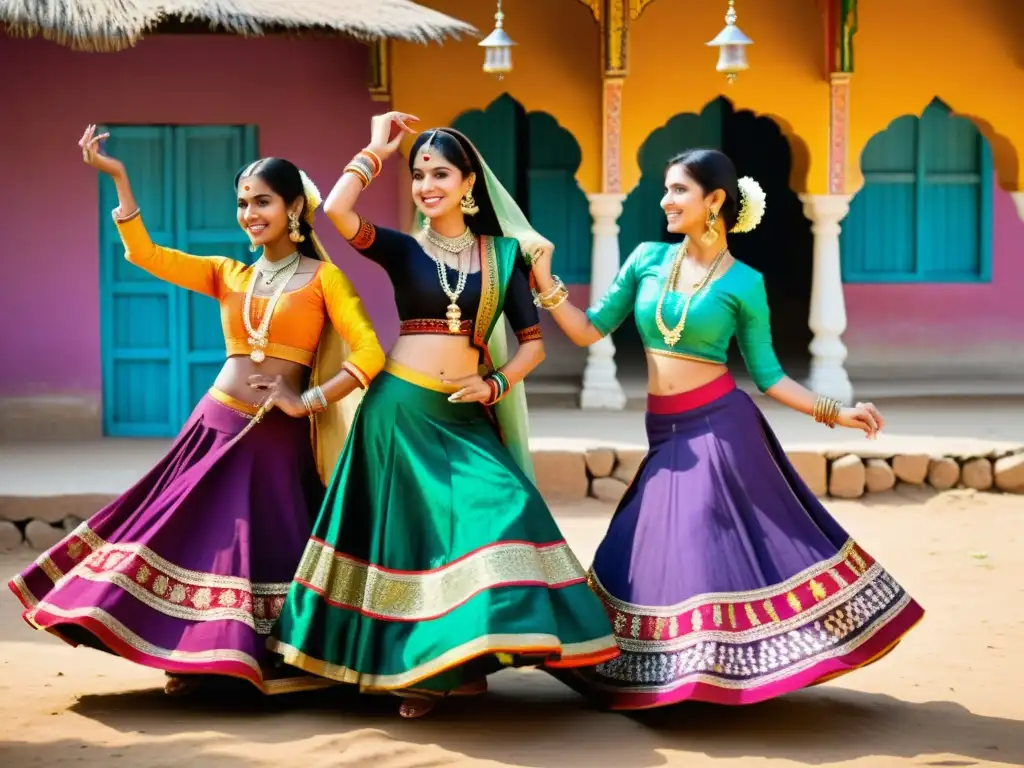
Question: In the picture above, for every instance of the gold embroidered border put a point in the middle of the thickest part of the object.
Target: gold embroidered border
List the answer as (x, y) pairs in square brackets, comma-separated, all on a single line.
[(489, 287), (24, 593), (162, 585), (419, 595), (773, 626), (724, 597), (519, 644), (841, 649), (139, 644)]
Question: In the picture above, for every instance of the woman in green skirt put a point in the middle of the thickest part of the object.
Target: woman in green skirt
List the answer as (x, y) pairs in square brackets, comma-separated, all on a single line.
[(435, 561)]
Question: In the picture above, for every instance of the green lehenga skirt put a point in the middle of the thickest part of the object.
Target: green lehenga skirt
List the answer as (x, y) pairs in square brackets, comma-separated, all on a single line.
[(434, 560)]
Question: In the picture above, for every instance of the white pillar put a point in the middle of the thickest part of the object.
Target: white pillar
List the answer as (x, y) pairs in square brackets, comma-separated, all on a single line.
[(1018, 200), (828, 306), (601, 388)]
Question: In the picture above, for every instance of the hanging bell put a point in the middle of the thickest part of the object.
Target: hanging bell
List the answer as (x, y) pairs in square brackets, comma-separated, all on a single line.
[(498, 48), (731, 44)]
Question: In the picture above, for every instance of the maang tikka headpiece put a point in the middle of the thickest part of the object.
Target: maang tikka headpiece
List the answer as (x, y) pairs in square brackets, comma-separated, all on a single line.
[(425, 152)]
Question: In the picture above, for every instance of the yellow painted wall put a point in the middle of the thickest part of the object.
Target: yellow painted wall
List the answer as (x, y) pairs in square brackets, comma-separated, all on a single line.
[(968, 54), (673, 71), (556, 70)]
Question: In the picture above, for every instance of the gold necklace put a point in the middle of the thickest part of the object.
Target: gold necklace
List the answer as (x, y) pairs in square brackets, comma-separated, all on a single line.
[(672, 335), (259, 337), (451, 244)]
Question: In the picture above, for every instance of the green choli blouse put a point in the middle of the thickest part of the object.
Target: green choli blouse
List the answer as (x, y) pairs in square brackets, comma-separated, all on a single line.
[(733, 303)]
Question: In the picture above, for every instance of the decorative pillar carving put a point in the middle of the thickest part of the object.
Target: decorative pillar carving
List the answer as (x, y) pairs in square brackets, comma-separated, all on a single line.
[(601, 387)]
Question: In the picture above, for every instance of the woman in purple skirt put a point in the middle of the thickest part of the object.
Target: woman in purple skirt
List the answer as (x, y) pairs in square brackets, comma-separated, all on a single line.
[(188, 569), (725, 578)]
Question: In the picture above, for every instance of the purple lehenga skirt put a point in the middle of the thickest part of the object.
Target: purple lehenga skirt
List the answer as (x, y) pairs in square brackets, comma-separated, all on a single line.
[(187, 570), (726, 580)]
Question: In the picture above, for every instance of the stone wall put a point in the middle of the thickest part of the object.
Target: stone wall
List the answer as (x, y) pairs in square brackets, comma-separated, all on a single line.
[(566, 476)]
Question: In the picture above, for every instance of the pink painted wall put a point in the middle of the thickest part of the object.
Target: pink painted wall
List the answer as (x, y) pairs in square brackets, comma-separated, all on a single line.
[(945, 325), (308, 98)]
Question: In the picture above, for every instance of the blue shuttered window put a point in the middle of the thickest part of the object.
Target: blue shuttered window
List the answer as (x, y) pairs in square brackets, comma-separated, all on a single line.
[(925, 211), (162, 346)]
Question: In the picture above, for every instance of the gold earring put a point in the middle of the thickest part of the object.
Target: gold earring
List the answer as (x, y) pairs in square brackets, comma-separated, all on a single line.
[(468, 204), (711, 235), (293, 229)]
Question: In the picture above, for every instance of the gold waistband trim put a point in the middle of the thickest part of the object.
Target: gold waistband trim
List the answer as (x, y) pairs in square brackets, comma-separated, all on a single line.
[(277, 351), (233, 402), (405, 373)]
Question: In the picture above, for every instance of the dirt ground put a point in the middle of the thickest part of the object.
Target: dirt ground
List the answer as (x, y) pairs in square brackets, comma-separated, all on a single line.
[(951, 695)]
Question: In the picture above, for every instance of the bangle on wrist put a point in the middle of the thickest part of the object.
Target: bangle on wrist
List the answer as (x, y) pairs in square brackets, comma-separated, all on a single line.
[(826, 411)]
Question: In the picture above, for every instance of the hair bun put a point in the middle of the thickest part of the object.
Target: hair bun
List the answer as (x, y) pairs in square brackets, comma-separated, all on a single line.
[(752, 205)]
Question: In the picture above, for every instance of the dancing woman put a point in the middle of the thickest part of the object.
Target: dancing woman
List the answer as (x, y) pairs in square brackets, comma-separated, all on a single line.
[(187, 570), (434, 560), (727, 581)]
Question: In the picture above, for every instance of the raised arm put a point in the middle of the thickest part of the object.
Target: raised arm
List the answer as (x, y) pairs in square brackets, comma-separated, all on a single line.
[(358, 174), (196, 273)]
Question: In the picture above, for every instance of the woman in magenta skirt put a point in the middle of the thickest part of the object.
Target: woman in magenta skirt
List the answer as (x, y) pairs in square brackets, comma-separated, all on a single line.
[(187, 571)]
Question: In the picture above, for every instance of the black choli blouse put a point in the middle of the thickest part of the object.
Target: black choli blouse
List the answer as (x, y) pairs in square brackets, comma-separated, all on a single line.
[(422, 304)]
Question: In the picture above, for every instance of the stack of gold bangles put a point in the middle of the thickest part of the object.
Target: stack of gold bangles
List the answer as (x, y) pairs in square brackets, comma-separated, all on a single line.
[(554, 298), (366, 166), (826, 411)]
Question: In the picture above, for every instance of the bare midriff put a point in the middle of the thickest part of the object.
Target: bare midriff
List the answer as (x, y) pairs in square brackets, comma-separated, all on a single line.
[(437, 356), (672, 375), (233, 378)]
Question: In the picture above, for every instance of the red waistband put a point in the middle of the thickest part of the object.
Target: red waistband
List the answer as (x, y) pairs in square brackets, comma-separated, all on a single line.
[(434, 325), (663, 405)]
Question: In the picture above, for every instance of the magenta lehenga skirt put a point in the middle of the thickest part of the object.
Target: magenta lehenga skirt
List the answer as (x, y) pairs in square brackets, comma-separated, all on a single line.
[(188, 570), (726, 580)]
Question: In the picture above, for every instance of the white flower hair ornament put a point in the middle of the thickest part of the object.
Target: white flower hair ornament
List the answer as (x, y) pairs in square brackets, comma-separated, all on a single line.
[(313, 198), (752, 205)]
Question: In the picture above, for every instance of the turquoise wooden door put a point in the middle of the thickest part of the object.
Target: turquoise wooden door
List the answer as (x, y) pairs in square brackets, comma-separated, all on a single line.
[(138, 313), (206, 161), (161, 345), (924, 213)]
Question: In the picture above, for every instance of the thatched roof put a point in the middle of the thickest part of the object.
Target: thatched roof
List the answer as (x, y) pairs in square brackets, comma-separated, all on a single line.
[(113, 25)]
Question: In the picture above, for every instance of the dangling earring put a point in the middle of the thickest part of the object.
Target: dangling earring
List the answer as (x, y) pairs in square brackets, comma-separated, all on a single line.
[(468, 204), (253, 247), (293, 229), (709, 237)]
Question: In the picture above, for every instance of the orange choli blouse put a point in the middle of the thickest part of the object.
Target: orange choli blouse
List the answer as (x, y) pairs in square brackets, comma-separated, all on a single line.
[(300, 315)]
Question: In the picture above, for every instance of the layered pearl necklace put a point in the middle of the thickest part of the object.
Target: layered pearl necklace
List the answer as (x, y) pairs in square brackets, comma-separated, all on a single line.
[(455, 245), (285, 269)]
